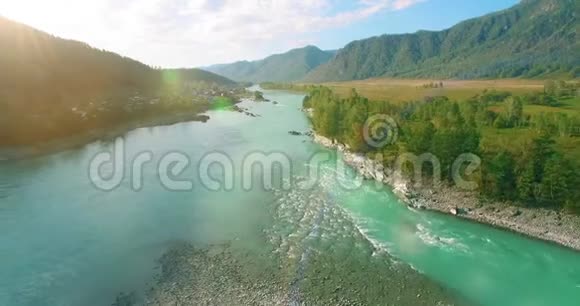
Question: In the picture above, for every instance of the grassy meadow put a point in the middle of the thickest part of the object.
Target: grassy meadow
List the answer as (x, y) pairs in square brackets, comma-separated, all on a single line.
[(403, 90)]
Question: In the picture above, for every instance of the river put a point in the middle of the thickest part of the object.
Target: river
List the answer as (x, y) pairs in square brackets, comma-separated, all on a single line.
[(64, 241)]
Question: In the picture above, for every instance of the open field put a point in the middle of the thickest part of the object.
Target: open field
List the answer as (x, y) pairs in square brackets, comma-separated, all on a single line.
[(518, 141), (569, 106), (401, 90)]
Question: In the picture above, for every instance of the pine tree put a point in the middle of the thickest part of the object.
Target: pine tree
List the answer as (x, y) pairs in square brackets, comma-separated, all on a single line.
[(542, 150), (471, 138), (503, 170), (446, 148), (419, 139), (556, 182), (527, 185), (355, 123)]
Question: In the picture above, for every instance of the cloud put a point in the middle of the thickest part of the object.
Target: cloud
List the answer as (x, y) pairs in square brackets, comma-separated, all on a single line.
[(403, 4), (195, 32)]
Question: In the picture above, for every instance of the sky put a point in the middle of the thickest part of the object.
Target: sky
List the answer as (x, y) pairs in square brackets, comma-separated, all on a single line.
[(194, 33)]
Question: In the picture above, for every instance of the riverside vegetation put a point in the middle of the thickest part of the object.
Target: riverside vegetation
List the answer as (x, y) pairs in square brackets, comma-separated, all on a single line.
[(528, 157)]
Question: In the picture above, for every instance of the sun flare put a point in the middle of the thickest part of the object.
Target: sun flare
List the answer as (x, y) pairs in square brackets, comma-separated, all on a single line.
[(31, 12)]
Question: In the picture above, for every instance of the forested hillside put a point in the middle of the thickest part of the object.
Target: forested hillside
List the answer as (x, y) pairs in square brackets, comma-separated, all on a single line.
[(287, 67), (52, 87), (535, 38), (198, 75)]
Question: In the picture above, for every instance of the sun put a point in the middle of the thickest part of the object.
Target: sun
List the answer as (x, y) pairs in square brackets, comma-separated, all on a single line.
[(36, 13), (22, 11)]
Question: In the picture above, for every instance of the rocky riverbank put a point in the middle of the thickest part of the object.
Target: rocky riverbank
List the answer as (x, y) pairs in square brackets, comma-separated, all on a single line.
[(223, 275), (216, 275), (547, 225)]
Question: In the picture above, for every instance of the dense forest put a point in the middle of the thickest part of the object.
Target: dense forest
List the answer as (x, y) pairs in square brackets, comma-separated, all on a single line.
[(52, 88), (287, 67), (539, 172), (535, 38)]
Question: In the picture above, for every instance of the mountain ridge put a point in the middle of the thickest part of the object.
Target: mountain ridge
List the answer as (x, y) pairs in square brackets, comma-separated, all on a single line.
[(289, 66), (531, 39)]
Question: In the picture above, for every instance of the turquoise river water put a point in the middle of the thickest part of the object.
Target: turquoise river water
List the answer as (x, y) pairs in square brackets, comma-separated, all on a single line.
[(65, 242)]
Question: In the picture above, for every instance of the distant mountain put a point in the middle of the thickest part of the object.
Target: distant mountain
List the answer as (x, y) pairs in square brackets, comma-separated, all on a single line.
[(44, 80), (535, 38), (287, 67), (200, 75)]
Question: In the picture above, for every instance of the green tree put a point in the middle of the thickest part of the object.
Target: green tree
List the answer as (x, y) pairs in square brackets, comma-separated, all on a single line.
[(355, 124), (501, 122), (530, 181), (527, 185), (542, 150), (557, 181), (470, 138), (331, 119), (515, 111), (419, 139), (505, 180), (447, 146)]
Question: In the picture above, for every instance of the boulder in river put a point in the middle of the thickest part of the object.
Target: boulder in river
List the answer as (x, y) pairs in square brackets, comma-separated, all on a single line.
[(457, 211)]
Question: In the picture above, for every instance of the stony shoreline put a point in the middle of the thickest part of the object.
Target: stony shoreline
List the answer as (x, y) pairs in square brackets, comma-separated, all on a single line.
[(227, 275), (543, 224)]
